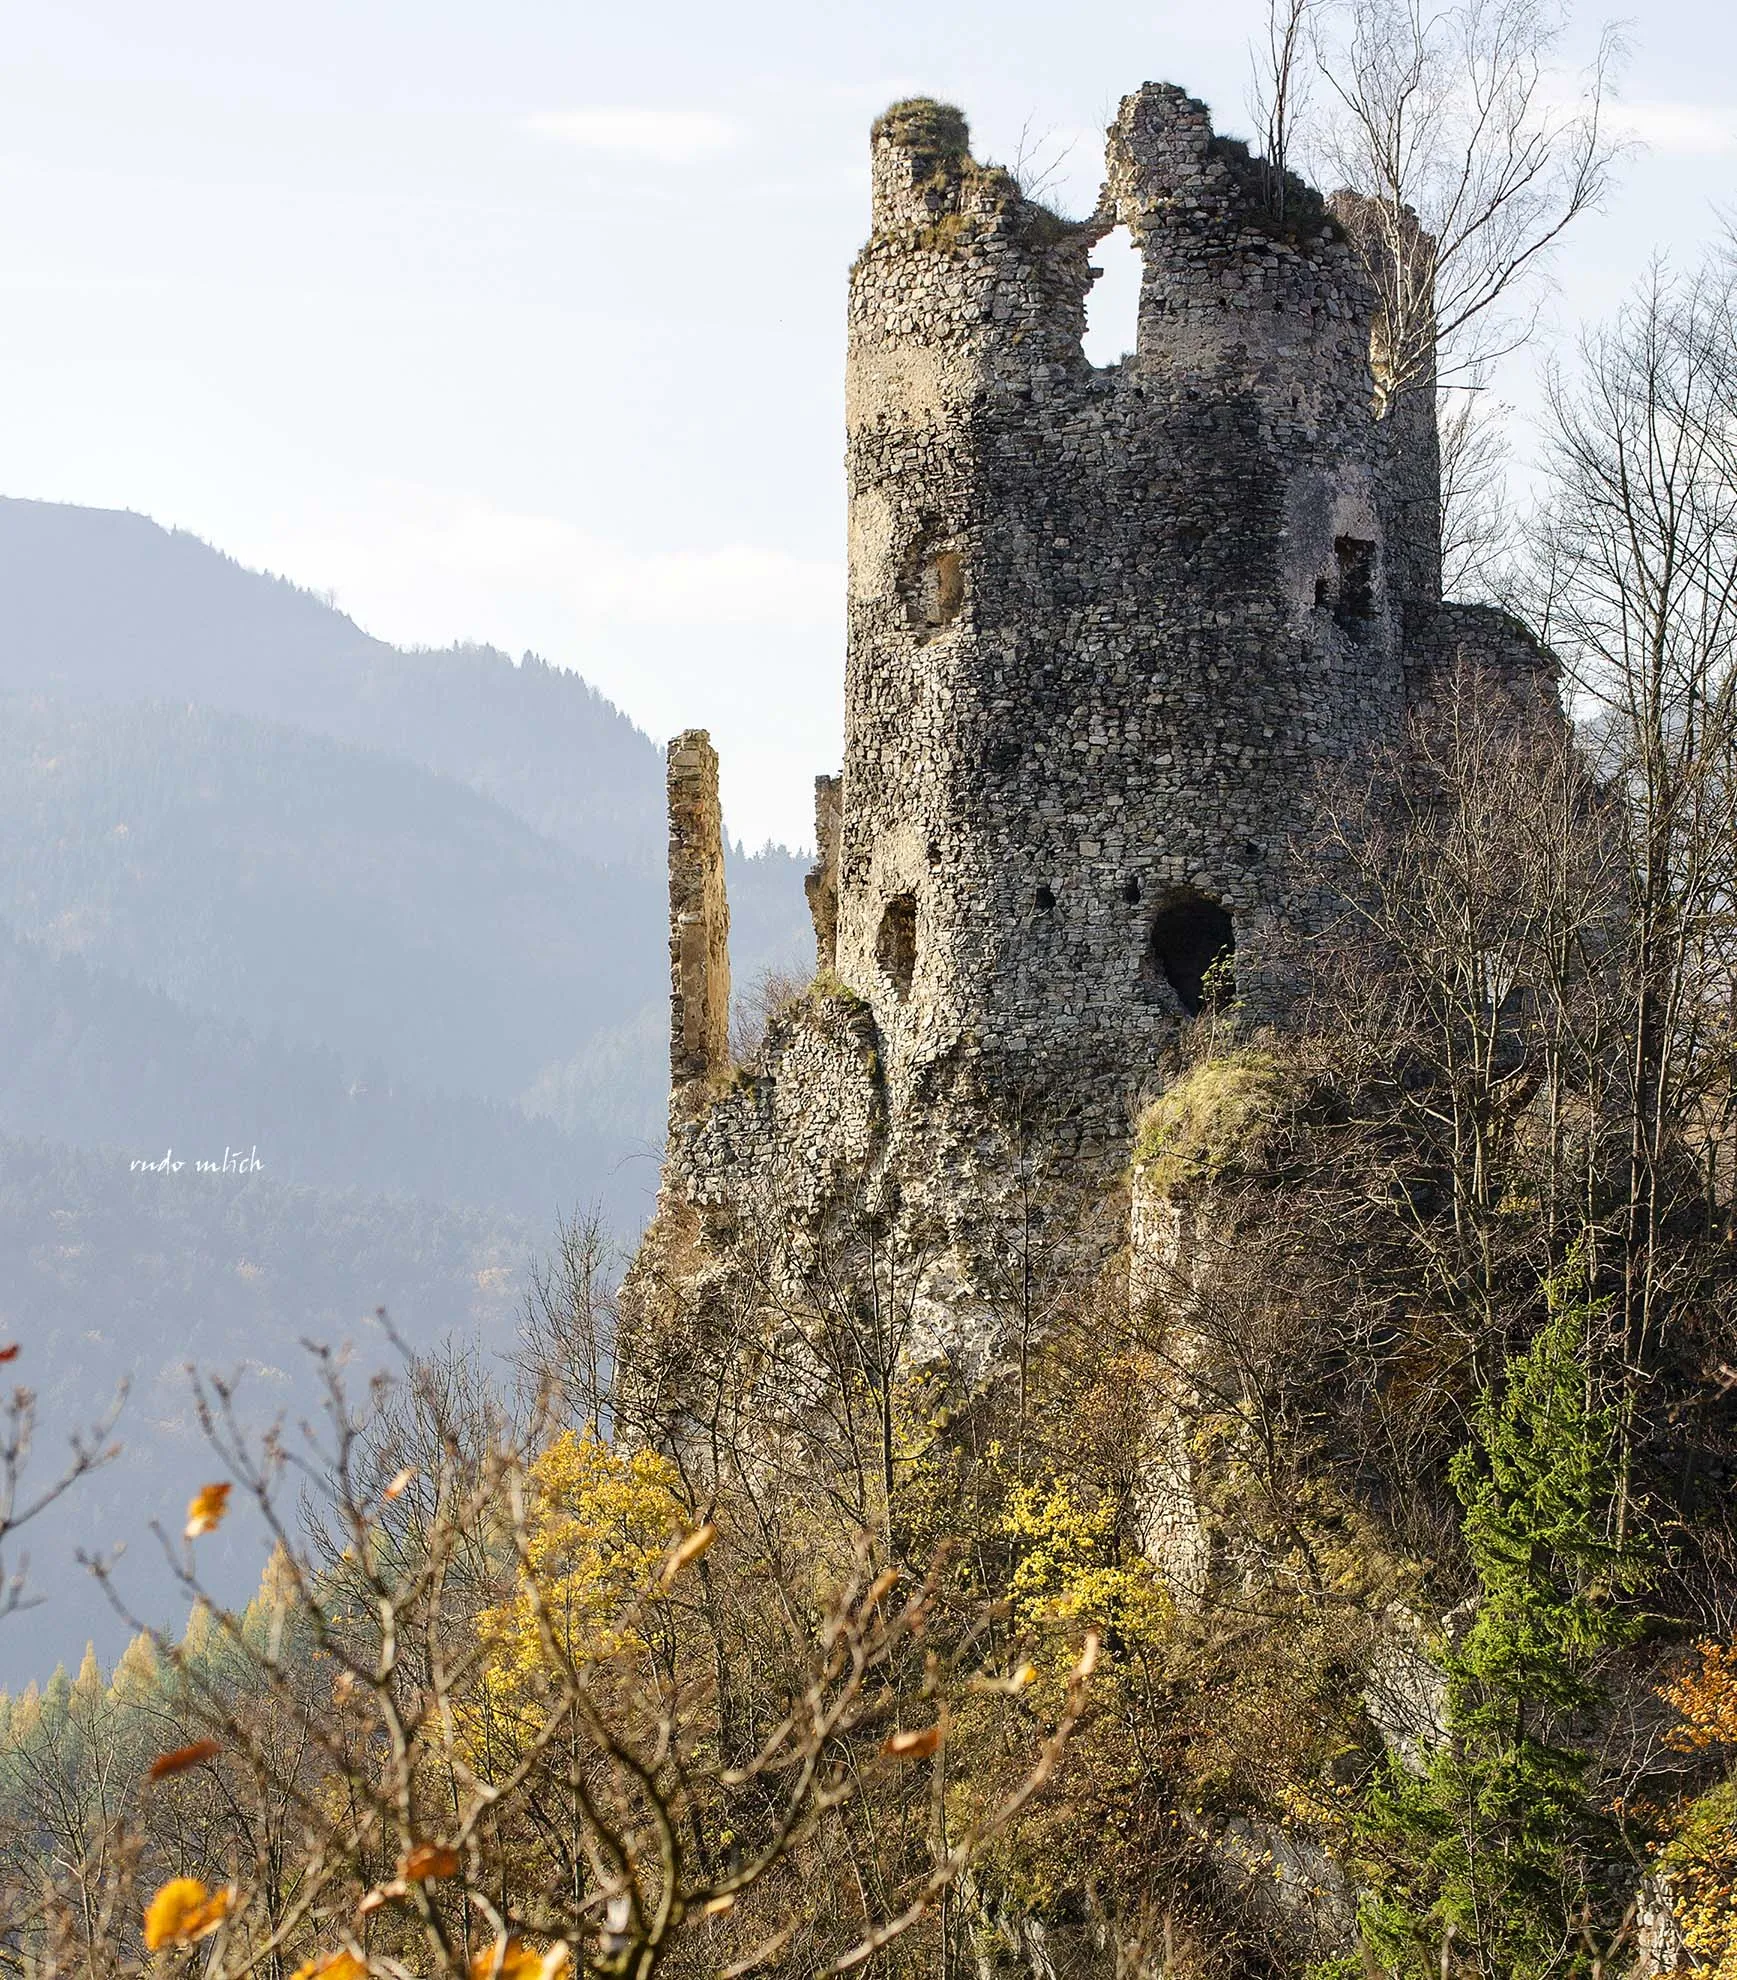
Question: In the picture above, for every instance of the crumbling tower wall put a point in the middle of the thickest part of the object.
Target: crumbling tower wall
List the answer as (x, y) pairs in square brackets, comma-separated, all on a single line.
[(1105, 623), (1107, 626)]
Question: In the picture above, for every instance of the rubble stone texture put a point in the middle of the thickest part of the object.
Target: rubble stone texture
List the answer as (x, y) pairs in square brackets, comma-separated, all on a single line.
[(1107, 625)]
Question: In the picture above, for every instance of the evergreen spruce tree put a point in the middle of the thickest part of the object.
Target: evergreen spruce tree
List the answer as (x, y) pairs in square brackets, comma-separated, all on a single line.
[(1488, 1861)]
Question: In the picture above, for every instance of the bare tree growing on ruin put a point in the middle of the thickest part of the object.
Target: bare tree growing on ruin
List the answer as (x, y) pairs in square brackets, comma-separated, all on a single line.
[(1278, 94), (1446, 120)]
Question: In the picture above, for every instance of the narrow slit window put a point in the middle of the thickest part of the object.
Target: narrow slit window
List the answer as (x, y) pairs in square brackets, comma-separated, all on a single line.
[(1354, 604), (896, 945), (932, 585)]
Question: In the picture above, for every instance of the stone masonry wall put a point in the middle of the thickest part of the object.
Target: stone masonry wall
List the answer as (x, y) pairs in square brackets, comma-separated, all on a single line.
[(1106, 624), (699, 917)]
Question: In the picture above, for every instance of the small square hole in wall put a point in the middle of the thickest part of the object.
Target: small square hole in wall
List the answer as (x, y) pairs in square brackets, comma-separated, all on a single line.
[(933, 587)]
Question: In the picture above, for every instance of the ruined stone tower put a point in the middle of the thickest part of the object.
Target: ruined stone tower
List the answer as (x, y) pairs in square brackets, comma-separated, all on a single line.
[(1106, 625)]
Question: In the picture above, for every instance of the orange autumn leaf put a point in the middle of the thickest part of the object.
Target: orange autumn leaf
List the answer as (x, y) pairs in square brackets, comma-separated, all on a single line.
[(401, 1483), (340, 1965), (206, 1508), (428, 1861), (916, 1745), (182, 1911), (512, 1959), (182, 1758), (9, 1352), (689, 1551)]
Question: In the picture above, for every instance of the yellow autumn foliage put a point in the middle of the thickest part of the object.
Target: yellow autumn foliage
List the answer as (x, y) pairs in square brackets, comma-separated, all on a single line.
[(182, 1911), (1699, 1860), (513, 1959), (1707, 1700), (340, 1965), (1068, 1573), (206, 1508), (600, 1526)]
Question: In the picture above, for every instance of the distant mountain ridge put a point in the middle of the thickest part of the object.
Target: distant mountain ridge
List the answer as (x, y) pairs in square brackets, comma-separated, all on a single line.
[(104, 605), (314, 891), (157, 638)]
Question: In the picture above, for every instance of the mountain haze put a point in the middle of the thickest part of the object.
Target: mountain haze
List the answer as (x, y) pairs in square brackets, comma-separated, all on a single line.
[(103, 605), (393, 920)]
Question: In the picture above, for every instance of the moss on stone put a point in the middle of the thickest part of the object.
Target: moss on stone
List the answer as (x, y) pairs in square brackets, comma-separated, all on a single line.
[(830, 987), (1216, 1120), (946, 233), (919, 123)]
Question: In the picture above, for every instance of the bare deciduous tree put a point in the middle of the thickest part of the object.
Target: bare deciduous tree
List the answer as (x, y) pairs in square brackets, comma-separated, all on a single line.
[(478, 1726), (1478, 528), (1636, 589), (1278, 94), (1446, 120)]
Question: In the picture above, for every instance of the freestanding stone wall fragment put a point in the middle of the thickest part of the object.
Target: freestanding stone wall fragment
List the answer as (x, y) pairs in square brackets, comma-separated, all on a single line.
[(699, 916), (821, 884)]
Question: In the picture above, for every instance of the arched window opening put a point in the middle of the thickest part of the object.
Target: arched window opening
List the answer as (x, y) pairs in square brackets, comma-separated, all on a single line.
[(1193, 947), (1045, 898), (1113, 300), (896, 945)]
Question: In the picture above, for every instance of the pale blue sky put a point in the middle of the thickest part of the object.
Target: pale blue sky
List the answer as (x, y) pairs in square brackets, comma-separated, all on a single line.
[(524, 322)]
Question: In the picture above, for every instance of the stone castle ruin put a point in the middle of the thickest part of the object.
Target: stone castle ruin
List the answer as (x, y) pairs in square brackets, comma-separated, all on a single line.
[(1107, 624)]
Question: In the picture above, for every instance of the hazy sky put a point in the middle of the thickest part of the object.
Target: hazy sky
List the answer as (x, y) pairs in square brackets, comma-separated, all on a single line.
[(523, 322)]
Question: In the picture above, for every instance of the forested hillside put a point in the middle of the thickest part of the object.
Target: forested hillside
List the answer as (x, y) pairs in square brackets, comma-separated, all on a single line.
[(98, 1059), (394, 922), (321, 893), (111, 1276)]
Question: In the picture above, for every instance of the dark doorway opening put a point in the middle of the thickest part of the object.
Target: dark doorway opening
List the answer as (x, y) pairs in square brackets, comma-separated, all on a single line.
[(896, 945), (1193, 947)]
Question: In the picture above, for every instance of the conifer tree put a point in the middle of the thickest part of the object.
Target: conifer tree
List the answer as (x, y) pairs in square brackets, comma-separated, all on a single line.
[(1495, 1859)]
